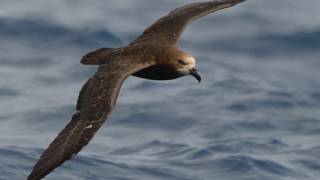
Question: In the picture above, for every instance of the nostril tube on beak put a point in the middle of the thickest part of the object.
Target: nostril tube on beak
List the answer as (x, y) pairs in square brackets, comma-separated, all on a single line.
[(194, 72)]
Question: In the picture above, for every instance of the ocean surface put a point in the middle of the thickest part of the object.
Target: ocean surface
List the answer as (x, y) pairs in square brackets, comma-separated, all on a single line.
[(255, 116)]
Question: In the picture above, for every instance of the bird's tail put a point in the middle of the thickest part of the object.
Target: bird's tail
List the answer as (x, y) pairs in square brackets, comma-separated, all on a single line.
[(96, 57)]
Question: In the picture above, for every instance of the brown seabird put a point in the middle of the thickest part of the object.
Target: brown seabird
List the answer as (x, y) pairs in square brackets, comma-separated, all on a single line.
[(153, 55)]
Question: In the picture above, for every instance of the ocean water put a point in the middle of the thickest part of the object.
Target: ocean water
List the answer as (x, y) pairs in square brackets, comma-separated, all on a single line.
[(255, 116)]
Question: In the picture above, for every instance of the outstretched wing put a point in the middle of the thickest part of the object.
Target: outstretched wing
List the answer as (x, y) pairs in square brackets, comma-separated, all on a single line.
[(96, 101), (170, 27)]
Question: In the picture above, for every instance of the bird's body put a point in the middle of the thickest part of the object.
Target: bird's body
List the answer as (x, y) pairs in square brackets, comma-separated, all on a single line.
[(158, 57), (153, 55)]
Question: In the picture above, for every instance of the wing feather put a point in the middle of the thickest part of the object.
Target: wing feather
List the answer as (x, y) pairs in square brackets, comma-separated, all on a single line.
[(170, 27), (96, 101)]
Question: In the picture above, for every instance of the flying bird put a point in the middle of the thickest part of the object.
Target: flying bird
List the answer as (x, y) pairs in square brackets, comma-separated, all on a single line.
[(153, 55)]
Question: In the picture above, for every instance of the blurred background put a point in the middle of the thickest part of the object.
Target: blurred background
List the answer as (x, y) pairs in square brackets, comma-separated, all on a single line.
[(255, 116)]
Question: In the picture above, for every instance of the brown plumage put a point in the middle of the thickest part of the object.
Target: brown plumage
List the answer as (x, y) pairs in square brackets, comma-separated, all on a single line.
[(153, 55)]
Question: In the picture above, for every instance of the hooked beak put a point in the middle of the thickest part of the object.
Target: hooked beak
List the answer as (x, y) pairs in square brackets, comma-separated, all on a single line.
[(195, 74)]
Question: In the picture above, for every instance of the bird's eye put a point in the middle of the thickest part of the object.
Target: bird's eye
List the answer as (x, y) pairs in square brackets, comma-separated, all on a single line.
[(180, 61)]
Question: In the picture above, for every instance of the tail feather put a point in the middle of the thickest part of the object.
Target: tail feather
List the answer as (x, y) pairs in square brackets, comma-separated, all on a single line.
[(96, 57)]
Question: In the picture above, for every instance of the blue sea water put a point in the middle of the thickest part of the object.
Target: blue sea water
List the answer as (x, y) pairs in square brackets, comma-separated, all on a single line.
[(255, 116)]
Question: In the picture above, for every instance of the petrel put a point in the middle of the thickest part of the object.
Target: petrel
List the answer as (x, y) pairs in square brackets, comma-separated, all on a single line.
[(153, 55)]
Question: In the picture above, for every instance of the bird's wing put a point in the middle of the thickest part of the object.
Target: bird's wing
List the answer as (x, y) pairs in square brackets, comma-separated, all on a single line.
[(170, 27), (96, 101)]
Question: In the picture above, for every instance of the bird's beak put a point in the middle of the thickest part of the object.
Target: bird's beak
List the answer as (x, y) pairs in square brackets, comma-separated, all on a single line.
[(195, 74)]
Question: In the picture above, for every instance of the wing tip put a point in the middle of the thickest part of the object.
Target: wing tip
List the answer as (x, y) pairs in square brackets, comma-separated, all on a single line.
[(240, 1), (38, 173), (234, 2), (34, 175)]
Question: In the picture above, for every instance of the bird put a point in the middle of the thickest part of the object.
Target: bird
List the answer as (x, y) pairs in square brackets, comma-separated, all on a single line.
[(153, 55)]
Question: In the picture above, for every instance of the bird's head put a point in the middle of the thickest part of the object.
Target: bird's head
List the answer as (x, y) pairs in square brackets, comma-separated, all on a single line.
[(185, 64)]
